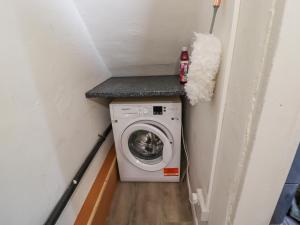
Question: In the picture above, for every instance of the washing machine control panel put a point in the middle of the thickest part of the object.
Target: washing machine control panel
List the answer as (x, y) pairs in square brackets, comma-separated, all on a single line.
[(155, 110)]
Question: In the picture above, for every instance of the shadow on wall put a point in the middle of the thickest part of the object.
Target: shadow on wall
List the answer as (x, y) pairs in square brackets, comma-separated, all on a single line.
[(140, 37)]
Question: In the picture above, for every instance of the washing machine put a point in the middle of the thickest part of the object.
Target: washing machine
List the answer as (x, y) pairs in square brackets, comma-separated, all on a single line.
[(147, 134)]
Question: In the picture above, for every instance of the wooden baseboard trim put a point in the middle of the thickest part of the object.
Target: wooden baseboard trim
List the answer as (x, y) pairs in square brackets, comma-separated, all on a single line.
[(96, 206)]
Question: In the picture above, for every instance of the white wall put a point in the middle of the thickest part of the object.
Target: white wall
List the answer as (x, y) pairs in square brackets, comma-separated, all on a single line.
[(141, 37), (249, 45), (256, 41), (47, 126), (278, 131), (203, 120)]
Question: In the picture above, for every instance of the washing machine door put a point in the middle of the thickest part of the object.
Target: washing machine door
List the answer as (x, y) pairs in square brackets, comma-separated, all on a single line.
[(147, 146)]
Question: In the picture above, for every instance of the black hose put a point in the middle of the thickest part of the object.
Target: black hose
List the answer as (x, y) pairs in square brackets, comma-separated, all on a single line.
[(61, 204)]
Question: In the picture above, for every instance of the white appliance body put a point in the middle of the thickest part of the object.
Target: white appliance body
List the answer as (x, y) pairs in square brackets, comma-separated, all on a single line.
[(147, 134)]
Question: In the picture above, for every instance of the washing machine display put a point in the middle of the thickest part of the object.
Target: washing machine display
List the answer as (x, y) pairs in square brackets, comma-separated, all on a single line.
[(157, 110)]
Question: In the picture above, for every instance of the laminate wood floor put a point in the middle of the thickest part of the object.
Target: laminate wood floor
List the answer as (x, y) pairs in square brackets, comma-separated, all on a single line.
[(150, 204)]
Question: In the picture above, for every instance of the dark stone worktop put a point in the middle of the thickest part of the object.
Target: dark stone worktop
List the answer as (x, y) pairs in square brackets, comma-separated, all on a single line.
[(138, 86)]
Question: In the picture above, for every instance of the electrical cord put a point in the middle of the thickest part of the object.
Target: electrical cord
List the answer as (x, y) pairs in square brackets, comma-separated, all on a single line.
[(185, 151), (187, 166)]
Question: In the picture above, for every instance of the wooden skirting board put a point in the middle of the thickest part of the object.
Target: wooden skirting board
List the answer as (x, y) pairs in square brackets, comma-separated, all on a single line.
[(97, 204)]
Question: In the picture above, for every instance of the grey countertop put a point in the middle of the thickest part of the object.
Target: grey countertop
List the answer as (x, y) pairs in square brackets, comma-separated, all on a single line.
[(138, 86)]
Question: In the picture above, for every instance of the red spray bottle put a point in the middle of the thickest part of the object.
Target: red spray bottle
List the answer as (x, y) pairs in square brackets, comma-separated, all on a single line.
[(184, 65)]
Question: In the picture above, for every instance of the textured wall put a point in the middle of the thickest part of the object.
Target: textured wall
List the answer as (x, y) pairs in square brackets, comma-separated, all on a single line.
[(252, 59), (278, 131), (47, 126), (140, 37)]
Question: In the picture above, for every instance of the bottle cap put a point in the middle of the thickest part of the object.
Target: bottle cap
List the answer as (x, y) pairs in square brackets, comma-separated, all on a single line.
[(184, 49)]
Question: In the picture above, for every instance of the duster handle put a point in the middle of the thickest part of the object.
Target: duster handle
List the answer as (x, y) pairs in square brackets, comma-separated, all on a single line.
[(216, 6), (217, 3)]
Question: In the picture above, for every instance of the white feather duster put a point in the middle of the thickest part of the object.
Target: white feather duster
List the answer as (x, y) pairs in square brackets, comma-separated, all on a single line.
[(205, 62)]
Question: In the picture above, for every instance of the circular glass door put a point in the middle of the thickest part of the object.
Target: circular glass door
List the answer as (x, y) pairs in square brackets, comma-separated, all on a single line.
[(146, 146)]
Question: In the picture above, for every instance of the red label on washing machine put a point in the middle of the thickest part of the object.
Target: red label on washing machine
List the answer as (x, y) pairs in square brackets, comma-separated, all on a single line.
[(171, 171)]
